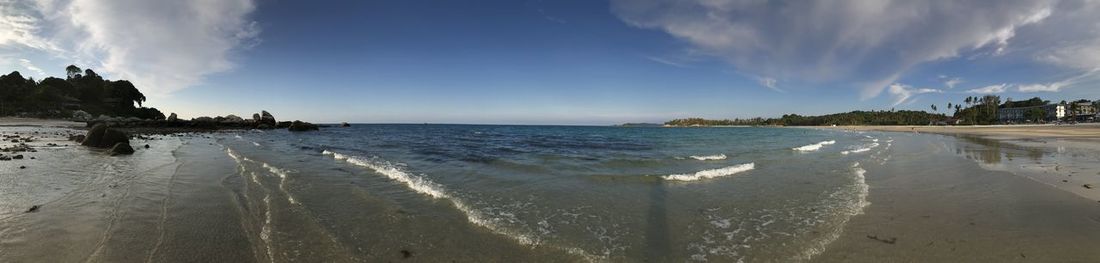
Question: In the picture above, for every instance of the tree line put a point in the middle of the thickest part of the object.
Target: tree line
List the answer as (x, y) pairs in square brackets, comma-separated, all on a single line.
[(80, 90), (903, 117)]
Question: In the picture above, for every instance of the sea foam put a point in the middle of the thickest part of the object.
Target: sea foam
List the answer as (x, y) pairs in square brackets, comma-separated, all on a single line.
[(706, 174), (434, 190), (862, 149), (813, 147), (709, 157)]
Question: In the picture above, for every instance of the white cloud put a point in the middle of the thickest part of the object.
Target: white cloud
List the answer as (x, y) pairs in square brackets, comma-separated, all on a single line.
[(903, 93), (952, 82), (26, 63), (1057, 85), (1051, 87), (161, 46), (769, 83), (989, 89), (871, 43)]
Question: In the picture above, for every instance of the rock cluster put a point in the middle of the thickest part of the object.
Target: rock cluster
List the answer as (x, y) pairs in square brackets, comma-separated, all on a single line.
[(298, 126), (101, 136)]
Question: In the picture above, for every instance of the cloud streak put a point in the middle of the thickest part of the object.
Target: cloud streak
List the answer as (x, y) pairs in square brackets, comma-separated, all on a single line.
[(903, 93), (161, 46), (26, 63), (991, 89), (871, 43)]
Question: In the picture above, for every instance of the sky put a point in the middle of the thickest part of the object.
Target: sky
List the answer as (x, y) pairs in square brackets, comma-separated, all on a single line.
[(560, 62)]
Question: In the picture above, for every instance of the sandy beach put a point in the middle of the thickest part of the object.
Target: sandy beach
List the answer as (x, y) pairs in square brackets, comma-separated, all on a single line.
[(1089, 131)]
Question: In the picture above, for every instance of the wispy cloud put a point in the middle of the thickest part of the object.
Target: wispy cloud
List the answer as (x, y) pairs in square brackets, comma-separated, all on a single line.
[(951, 82), (904, 93), (871, 42), (1057, 85), (26, 63), (161, 46), (991, 89), (770, 83), (666, 61)]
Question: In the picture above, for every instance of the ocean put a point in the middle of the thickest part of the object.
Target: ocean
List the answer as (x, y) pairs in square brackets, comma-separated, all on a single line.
[(480, 193), (601, 193)]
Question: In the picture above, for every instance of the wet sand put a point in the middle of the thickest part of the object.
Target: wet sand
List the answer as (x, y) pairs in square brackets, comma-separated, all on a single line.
[(979, 194)]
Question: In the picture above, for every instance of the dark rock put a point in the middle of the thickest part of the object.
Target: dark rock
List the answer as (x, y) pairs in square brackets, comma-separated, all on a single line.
[(5, 158), (256, 117), (173, 118), (283, 124), (22, 167), (77, 138), (146, 146), (121, 148), (266, 118), (302, 126), (34, 208), (18, 157), (345, 124), (405, 253), (101, 136)]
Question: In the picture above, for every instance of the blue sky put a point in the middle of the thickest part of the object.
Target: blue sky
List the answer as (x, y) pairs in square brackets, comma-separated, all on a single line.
[(560, 62)]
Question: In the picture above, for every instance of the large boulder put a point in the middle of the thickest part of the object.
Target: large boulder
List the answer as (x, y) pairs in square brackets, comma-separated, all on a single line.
[(121, 148), (173, 117), (233, 119), (266, 118), (256, 117), (102, 136), (345, 124), (302, 126)]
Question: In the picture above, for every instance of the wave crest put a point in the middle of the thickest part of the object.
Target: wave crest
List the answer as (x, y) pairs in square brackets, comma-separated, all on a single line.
[(713, 173), (813, 147), (709, 157)]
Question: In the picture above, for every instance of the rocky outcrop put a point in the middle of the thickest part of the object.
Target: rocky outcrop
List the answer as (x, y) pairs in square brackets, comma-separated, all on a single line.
[(173, 118), (102, 136), (298, 126), (345, 124), (266, 118)]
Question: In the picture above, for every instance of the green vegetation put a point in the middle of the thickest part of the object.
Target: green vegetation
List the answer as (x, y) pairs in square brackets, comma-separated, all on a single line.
[(850, 118), (983, 110), (1036, 101), (80, 90)]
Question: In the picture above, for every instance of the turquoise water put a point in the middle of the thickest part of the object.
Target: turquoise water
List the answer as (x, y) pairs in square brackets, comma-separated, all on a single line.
[(573, 193)]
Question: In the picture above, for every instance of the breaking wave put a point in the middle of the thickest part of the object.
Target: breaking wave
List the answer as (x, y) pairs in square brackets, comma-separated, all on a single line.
[(713, 173), (709, 157), (434, 190), (862, 149), (813, 147)]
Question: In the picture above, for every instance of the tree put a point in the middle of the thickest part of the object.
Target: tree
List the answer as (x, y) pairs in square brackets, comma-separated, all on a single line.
[(1036, 114), (72, 71)]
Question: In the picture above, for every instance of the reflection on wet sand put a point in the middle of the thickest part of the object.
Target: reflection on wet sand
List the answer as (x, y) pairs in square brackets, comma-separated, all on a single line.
[(1068, 165)]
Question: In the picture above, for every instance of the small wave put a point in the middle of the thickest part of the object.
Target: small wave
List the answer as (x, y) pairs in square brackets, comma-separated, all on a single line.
[(709, 157), (813, 147), (256, 144), (864, 149), (427, 187), (706, 174)]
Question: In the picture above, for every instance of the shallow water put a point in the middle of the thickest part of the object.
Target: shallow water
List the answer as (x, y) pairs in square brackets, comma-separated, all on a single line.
[(473, 193)]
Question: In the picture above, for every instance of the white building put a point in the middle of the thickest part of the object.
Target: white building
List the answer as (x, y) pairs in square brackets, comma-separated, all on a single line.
[(1019, 114)]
